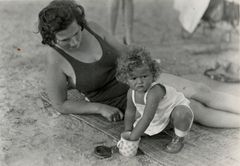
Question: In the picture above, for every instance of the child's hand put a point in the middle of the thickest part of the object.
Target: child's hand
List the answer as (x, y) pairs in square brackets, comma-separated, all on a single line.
[(126, 135), (133, 138)]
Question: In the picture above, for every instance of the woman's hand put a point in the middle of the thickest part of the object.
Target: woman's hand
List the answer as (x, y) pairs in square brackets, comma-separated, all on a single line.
[(113, 114)]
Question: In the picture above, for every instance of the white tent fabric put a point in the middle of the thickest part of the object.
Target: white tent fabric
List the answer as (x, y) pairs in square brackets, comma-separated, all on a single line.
[(190, 12), (235, 1)]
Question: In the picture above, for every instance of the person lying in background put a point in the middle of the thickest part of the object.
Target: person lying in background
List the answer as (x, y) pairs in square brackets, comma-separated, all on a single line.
[(211, 12)]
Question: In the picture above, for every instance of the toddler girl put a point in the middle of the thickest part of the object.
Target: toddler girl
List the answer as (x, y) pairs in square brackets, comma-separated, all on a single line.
[(152, 106)]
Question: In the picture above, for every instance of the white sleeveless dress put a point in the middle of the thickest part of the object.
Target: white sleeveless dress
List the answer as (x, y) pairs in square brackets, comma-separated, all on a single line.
[(161, 119)]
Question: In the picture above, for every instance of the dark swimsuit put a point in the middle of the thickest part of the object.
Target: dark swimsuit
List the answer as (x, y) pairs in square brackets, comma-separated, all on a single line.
[(97, 80)]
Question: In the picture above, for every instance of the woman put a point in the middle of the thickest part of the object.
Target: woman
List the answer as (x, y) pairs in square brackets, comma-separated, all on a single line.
[(84, 57)]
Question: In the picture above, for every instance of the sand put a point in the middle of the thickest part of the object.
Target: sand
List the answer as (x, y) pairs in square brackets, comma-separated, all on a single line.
[(30, 135)]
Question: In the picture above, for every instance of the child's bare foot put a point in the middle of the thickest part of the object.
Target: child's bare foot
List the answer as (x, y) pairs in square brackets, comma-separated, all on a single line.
[(175, 145)]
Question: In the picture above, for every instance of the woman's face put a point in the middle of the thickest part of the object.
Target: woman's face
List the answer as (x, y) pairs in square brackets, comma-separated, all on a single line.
[(71, 37), (140, 79)]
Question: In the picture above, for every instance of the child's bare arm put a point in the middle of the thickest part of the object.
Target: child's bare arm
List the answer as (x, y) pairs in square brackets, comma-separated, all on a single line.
[(153, 98), (130, 112)]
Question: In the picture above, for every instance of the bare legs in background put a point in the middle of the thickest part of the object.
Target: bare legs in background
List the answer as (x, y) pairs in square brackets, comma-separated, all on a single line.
[(127, 12)]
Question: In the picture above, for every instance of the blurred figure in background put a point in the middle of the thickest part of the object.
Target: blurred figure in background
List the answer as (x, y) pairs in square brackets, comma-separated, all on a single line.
[(192, 12), (127, 11)]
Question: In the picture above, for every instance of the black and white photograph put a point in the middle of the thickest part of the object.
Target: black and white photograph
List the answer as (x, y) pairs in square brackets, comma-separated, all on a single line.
[(119, 83)]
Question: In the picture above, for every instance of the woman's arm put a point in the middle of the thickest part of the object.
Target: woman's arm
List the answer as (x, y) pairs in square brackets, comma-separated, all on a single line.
[(56, 84), (130, 113), (154, 96)]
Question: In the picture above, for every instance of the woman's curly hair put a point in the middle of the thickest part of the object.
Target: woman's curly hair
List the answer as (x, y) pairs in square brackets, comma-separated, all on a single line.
[(57, 16), (136, 57)]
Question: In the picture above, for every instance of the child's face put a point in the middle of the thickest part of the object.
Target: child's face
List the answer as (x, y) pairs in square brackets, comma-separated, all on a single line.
[(140, 79)]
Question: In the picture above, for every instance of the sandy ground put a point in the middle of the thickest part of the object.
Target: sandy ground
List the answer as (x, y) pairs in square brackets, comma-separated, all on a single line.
[(32, 136)]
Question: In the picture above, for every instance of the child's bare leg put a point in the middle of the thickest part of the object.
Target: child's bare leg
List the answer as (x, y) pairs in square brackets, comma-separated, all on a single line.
[(128, 12), (182, 118), (214, 99), (214, 118)]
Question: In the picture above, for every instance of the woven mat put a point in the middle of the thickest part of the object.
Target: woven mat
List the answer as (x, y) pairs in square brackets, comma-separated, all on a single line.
[(203, 146)]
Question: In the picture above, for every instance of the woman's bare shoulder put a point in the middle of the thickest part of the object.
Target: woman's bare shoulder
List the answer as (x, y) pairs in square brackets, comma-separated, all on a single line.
[(53, 58), (56, 62)]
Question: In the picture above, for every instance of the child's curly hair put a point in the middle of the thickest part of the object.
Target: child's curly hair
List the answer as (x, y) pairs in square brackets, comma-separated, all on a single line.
[(136, 57)]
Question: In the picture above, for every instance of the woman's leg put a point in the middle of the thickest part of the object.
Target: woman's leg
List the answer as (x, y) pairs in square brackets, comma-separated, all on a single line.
[(198, 91), (217, 100), (114, 9), (128, 12), (214, 118)]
